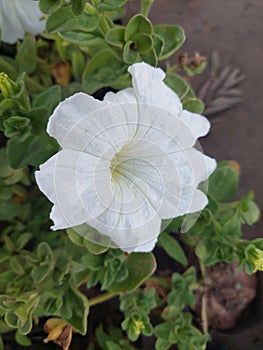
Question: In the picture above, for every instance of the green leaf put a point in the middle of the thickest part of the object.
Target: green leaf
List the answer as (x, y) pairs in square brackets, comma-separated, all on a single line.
[(143, 42), (161, 344), (95, 248), (16, 125), (138, 24), (22, 240), (136, 307), (63, 20), (84, 39), (177, 84), (140, 266), (250, 212), (193, 105), (252, 215), (232, 226), (158, 44), (41, 148), (110, 5), (59, 19), (79, 306), (102, 337), (172, 248), (39, 118), (11, 319), (17, 150), (78, 7), (130, 56), (22, 339), (193, 70), (8, 210), (85, 235), (16, 265), (92, 262), (49, 6), (223, 182), (181, 293), (113, 346), (8, 66), (44, 251), (150, 57), (123, 82), (50, 98), (26, 58), (78, 63), (6, 193), (172, 36), (115, 36), (39, 273), (20, 310), (102, 70)]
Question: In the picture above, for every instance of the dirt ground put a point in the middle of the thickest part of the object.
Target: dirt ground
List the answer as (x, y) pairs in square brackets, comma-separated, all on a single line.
[(232, 28)]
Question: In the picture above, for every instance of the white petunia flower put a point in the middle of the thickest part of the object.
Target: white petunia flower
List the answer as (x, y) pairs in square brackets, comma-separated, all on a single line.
[(18, 17), (126, 162)]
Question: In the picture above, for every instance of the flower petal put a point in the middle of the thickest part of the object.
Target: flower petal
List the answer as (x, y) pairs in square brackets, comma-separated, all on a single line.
[(161, 129), (102, 133), (18, 17), (122, 96), (69, 114), (198, 124), (150, 89), (78, 184), (140, 237)]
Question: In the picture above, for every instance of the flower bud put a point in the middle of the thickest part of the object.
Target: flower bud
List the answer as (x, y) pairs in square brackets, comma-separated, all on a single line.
[(7, 86), (138, 325), (255, 257)]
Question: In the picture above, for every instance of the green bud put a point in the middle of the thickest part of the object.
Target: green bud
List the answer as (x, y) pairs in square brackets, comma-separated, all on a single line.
[(137, 325), (7, 86), (255, 257), (16, 125)]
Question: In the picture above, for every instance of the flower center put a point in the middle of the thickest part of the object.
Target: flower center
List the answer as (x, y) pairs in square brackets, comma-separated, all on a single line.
[(114, 164)]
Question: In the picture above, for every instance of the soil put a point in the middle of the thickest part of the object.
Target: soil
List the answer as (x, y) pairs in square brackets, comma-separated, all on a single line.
[(227, 294)]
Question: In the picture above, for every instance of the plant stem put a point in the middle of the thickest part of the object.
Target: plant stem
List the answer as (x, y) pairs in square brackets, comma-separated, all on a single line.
[(172, 69), (102, 298), (145, 7), (104, 26), (204, 313), (90, 9)]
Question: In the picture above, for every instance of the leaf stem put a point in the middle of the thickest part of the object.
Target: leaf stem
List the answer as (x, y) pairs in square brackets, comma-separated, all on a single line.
[(102, 298), (145, 7), (90, 9), (172, 69)]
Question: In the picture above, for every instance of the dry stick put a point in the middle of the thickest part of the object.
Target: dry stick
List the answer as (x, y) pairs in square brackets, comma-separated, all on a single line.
[(204, 302)]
